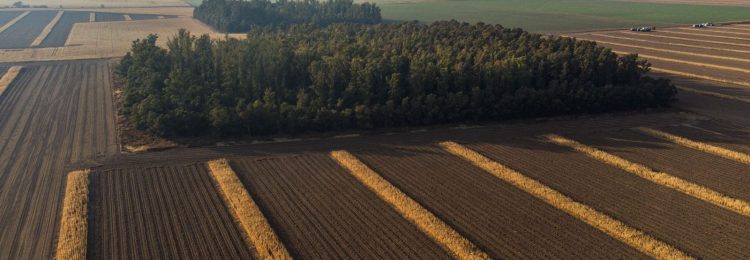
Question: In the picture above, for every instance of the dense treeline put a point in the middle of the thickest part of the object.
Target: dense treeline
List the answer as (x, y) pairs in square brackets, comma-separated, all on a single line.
[(348, 76), (240, 16)]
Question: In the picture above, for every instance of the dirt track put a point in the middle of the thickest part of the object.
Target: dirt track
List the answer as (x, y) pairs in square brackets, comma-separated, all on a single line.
[(161, 213), (52, 115)]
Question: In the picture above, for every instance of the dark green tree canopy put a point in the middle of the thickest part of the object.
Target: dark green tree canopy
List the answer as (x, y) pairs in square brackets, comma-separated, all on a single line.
[(345, 76), (240, 16)]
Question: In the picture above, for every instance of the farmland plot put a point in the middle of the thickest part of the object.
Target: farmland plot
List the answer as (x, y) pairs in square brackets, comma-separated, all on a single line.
[(691, 225), (320, 211), (725, 176), (59, 34), (161, 213), (52, 115), (21, 34), (7, 16), (489, 211)]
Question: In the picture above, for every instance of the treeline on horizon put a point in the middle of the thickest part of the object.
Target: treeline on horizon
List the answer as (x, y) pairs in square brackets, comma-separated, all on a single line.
[(348, 76), (241, 16)]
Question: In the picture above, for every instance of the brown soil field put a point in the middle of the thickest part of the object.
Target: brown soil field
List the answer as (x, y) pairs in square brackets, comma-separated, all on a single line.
[(173, 212), (51, 116), (732, 137), (490, 211), (59, 35), (722, 175), (693, 226), (320, 211)]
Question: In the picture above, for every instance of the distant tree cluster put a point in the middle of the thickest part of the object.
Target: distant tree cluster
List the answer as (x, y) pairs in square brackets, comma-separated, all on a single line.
[(349, 76), (240, 16)]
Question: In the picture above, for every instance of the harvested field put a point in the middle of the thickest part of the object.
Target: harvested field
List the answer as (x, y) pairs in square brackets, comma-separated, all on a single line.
[(108, 39), (47, 29), (431, 225), (489, 211), (52, 115), (690, 56), (101, 3), (7, 16), (72, 240), (143, 16), (173, 212), (321, 211), (23, 33), (697, 228), (8, 76), (59, 34), (246, 211), (711, 171)]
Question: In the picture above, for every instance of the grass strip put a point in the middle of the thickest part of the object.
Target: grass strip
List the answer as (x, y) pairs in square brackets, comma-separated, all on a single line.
[(71, 243), (245, 211), (127, 17), (720, 32), (423, 219), (700, 146), (92, 17), (692, 189), (612, 227)]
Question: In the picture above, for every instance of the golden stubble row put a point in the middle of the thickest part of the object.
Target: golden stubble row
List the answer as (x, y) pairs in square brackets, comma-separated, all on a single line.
[(72, 240), (245, 211), (9, 77), (612, 227), (689, 188), (411, 210), (700, 146)]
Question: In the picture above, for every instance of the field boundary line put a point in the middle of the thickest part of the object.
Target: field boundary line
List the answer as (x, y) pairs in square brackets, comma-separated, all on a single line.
[(47, 29), (411, 210), (699, 64), (689, 188), (9, 77), (691, 75), (714, 94), (670, 43), (127, 17), (714, 31), (700, 146), (689, 39), (14, 21), (92, 17), (259, 232), (604, 223), (708, 35), (676, 52), (72, 239)]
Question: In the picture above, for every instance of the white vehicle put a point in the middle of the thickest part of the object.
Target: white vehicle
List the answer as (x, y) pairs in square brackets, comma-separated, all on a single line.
[(643, 29)]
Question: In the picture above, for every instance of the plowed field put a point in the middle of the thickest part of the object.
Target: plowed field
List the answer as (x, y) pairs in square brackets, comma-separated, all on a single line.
[(21, 34), (161, 213), (51, 116), (320, 211)]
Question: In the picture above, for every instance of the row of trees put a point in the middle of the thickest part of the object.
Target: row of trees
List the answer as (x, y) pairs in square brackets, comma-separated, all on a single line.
[(240, 16), (344, 76)]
